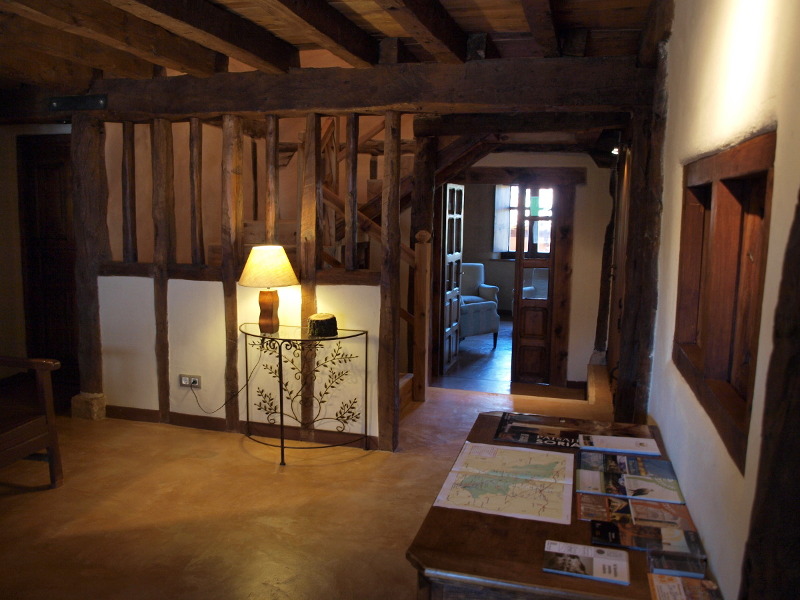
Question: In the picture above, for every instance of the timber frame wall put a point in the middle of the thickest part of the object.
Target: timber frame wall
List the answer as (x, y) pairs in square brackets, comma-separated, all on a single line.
[(240, 98)]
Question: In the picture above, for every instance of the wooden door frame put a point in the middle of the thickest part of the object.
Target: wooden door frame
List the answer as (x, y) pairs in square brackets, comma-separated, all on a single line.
[(562, 177)]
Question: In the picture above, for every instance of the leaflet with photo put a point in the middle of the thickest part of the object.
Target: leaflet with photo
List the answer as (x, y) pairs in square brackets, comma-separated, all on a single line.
[(589, 562), (669, 587)]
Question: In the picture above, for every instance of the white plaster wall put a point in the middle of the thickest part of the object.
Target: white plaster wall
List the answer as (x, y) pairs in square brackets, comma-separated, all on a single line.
[(733, 71), (128, 335), (592, 213), (197, 346)]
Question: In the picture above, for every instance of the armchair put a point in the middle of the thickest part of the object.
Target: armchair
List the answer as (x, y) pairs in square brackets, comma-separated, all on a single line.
[(26, 427), (478, 303)]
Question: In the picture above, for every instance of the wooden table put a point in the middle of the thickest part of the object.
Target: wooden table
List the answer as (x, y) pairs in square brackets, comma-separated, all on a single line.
[(465, 554)]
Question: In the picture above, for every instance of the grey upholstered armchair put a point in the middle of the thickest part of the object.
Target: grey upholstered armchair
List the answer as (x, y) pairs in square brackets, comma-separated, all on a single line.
[(478, 303)]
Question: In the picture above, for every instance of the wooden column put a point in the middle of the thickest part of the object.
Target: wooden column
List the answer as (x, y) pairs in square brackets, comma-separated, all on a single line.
[(130, 252), (388, 344), (163, 210), (92, 247), (424, 185), (232, 203), (351, 197), (604, 304), (309, 249), (641, 266), (273, 189), (562, 280), (196, 191), (420, 285), (772, 552), (422, 316)]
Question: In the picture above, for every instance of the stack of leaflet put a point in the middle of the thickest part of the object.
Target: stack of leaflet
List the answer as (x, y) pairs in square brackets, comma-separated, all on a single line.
[(635, 502)]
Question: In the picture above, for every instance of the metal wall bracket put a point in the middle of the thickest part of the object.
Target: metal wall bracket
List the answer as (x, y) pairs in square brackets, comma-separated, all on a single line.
[(73, 103)]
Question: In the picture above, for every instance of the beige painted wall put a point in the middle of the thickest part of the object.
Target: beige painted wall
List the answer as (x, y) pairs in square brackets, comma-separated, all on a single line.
[(734, 70)]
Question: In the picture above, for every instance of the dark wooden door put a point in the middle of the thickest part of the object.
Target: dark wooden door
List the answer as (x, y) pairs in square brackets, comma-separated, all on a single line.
[(451, 275), (48, 254), (542, 285)]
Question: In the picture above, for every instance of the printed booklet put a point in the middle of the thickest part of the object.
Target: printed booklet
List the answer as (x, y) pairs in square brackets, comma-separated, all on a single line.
[(589, 562), (613, 443), (592, 507), (668, 587), (677, 564), (628, 477), (644, 537)]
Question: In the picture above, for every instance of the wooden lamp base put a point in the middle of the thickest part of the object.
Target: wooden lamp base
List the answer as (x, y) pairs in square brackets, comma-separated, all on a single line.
[(268, 319)]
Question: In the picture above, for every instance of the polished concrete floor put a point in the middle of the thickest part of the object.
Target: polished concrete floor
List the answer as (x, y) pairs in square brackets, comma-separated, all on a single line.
[(163, 512)]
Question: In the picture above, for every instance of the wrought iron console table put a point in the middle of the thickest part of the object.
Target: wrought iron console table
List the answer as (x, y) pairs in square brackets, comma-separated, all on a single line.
[(293, 347)]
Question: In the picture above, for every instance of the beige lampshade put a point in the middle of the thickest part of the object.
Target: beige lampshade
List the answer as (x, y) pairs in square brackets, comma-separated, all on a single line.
[(268, 267)]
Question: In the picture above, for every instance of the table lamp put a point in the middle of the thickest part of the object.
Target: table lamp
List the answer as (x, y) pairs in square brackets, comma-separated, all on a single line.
[(268, 267)]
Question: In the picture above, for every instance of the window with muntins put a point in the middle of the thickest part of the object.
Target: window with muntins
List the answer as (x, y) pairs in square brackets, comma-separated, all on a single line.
[(724, 233), (537, 228)]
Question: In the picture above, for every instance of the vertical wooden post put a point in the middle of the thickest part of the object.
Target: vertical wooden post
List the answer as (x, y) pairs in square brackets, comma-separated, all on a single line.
[(422, 222), (232, 202), (641, 266), (196, 190), (311, 201), (273, 183), (163, 210), (772, 551), (351, 199), (129, 245), (388, 344), (422, 316), (90, 208)]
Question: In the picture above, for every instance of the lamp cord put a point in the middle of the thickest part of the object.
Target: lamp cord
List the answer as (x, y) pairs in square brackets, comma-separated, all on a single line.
[(233, 396)]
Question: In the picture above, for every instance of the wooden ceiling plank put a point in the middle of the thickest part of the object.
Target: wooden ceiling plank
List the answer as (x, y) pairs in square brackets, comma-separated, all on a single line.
[(658, 28), (456, 124), (39, 69), (539, 14), (216, 28), (429, 23), (108, 25), (326, 27), (73, 48)]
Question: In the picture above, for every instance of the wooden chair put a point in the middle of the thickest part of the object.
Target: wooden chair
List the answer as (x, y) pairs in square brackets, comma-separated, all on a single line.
[(29, 426)]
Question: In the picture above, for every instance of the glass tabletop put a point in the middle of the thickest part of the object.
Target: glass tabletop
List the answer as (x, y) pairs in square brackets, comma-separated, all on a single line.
[(296, 333)]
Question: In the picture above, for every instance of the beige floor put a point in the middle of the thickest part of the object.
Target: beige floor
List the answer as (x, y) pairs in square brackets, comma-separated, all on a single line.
[(158, 511)]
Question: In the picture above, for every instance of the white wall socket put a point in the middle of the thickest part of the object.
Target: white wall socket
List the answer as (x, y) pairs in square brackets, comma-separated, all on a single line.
[(189, 380)]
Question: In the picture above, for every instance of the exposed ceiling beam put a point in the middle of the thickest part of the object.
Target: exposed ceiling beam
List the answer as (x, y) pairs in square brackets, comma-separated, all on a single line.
[(326, 27), (108, 25), (39, 69), (539, 15), (429, 23), (218, 29), (657, 29), (457, 124), (73, 48), (515, 175), (510, 85)]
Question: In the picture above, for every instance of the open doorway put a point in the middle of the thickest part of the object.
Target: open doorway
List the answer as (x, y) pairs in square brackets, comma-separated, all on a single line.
[(532, 347)]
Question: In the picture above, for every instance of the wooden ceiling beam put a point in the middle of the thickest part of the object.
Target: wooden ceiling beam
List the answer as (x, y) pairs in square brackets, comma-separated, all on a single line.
[(97, 20), (657, 29), (218, 29), (429, 23), (539, 14), (456, 124), (326, 27), (73, 48), (511, 85), (36, 68)]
